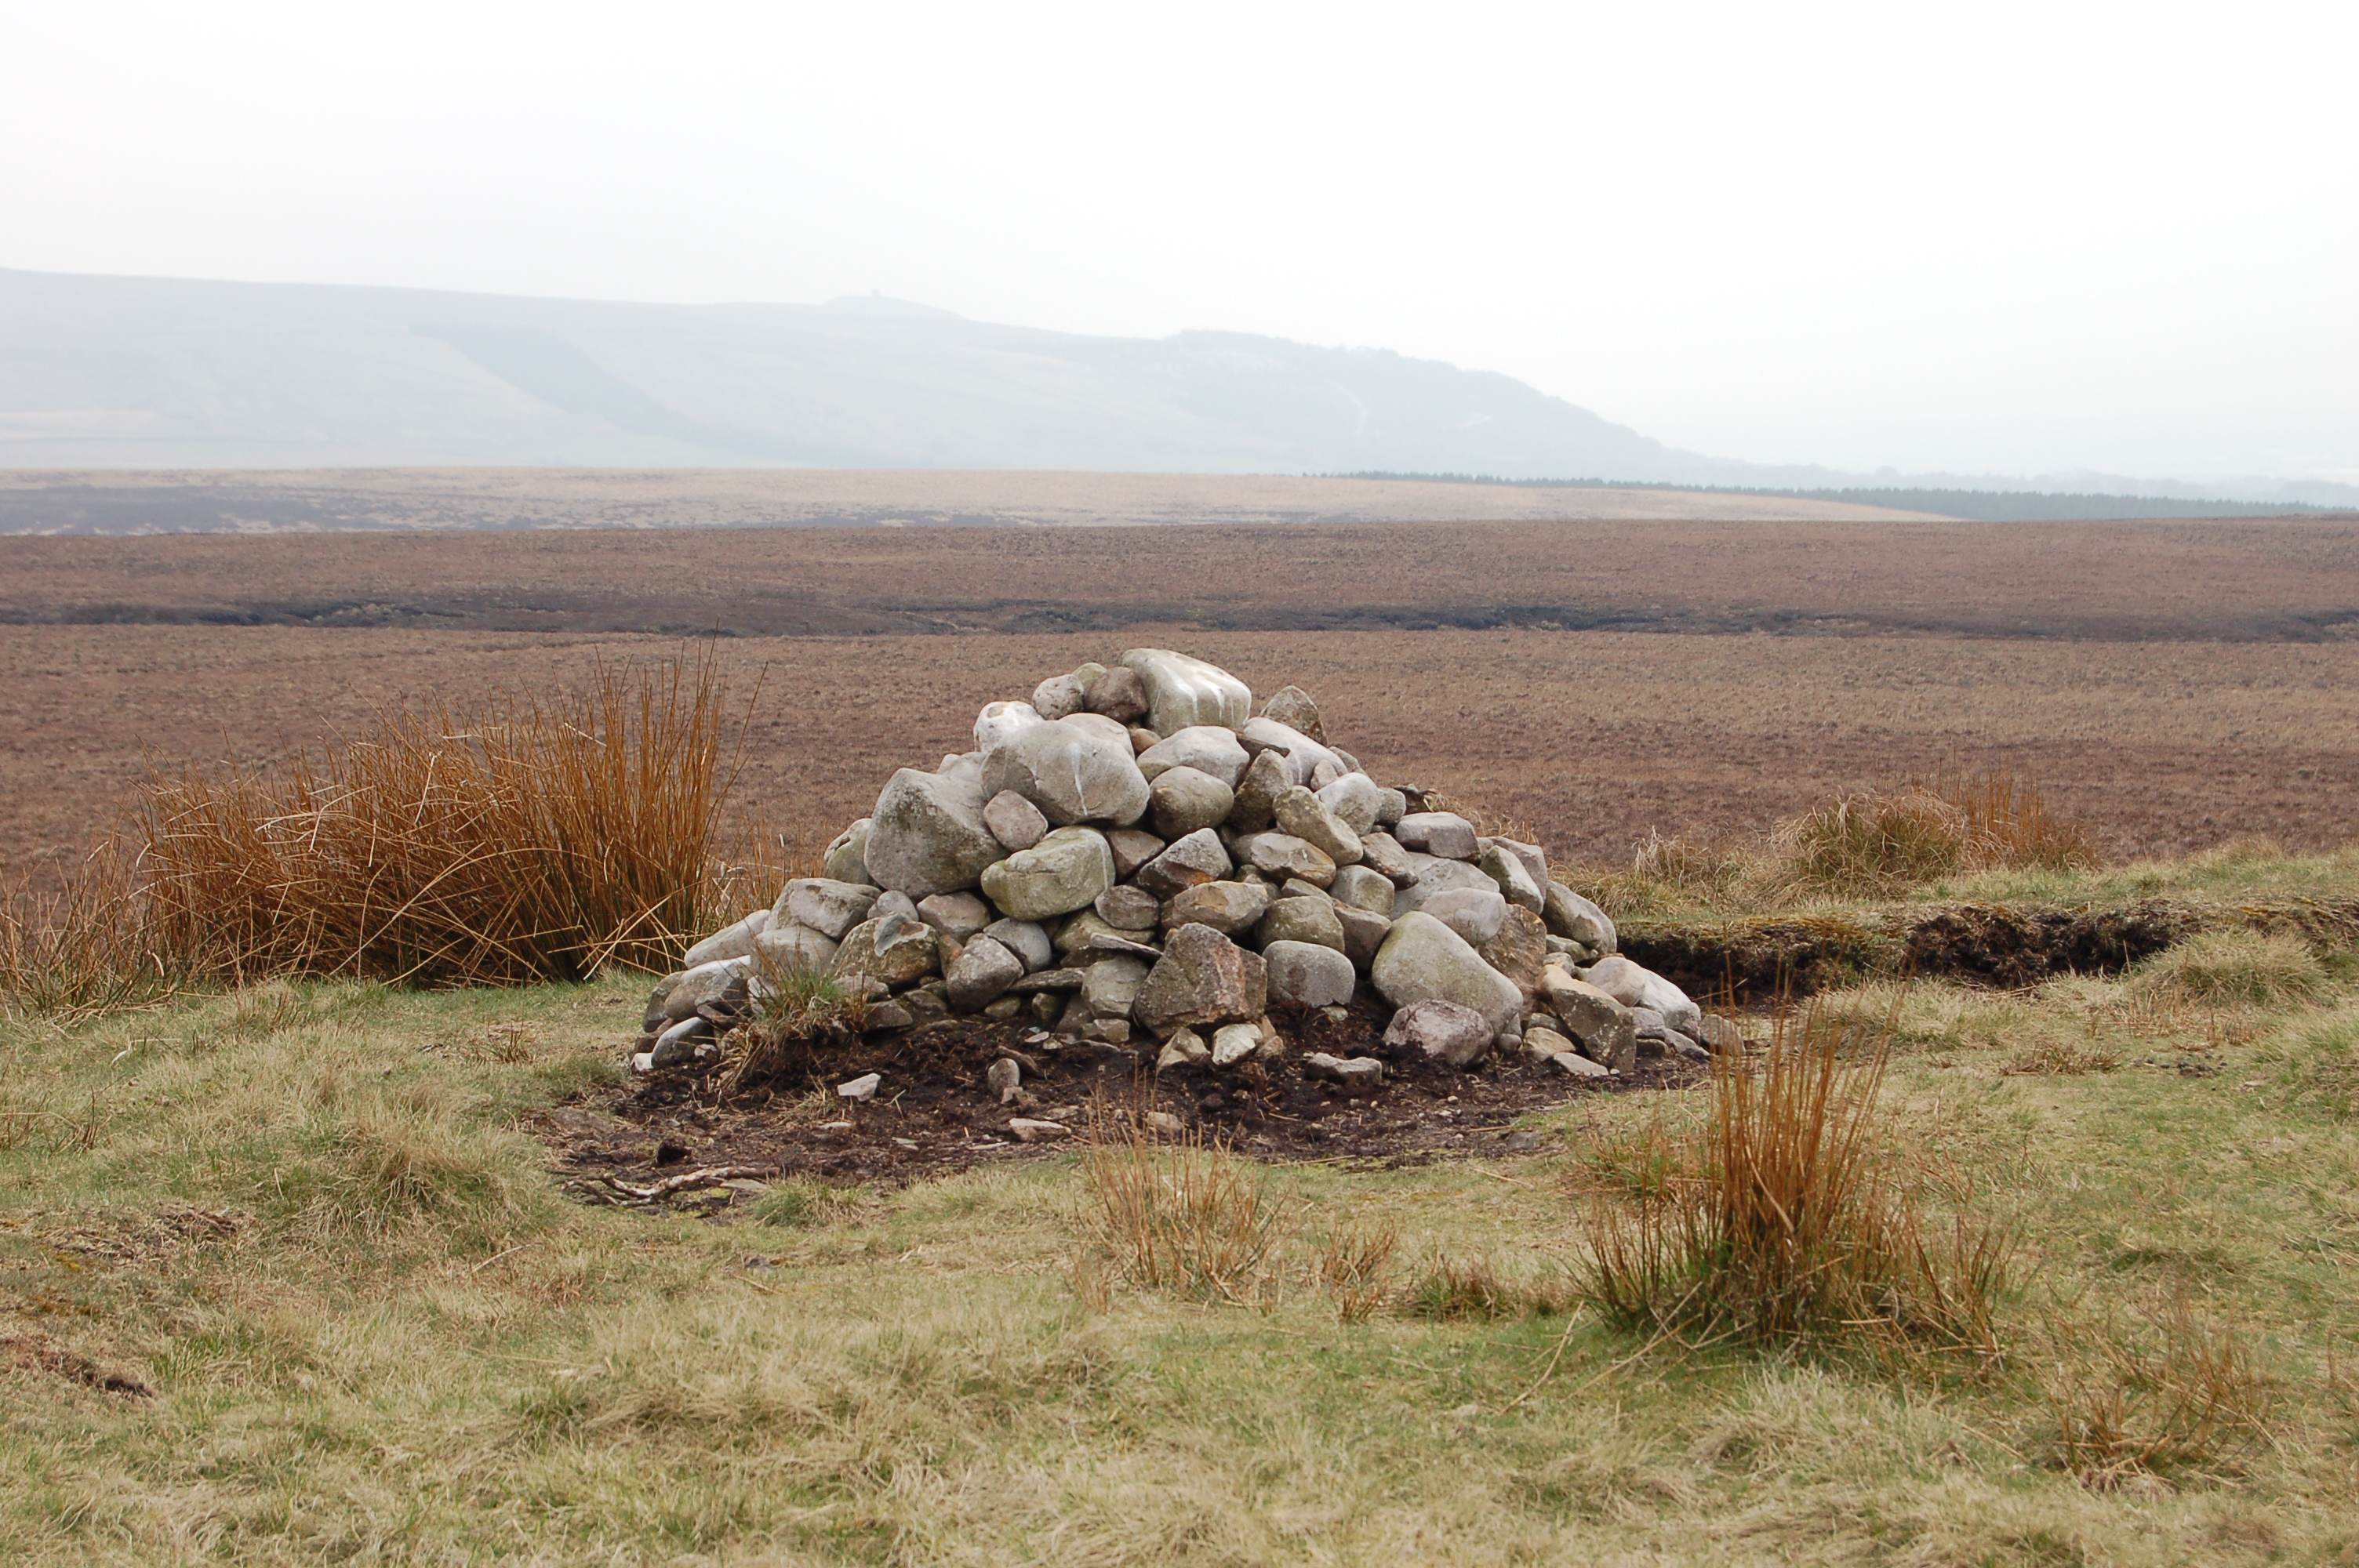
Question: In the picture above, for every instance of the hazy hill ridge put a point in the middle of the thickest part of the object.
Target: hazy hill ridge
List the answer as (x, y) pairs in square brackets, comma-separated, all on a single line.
[(118, 372)]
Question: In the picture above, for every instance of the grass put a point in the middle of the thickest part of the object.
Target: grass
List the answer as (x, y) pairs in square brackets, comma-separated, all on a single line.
[(309, 1219)]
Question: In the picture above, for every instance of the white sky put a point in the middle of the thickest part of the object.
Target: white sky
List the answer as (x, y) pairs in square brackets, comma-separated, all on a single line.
[(1988, 238)]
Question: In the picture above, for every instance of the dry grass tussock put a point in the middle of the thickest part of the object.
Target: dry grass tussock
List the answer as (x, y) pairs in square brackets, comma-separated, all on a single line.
[(1778, 1223), (1873, 844), (2186, 1400), (2236, 968), (1180, 1215), (538, 839)]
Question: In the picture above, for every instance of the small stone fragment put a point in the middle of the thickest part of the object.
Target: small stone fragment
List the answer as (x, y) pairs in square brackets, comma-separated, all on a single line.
[(1128, 908), (1196, 858), (860, 1088), (1291, 706), (1234, 1043), (1578, 1067), (1029, 1130), (1444, 1030), (1131, 849), (1185, 1048), (955, 915)]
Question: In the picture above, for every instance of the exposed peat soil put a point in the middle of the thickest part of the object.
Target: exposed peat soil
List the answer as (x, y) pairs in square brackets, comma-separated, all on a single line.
[(934, 1114)]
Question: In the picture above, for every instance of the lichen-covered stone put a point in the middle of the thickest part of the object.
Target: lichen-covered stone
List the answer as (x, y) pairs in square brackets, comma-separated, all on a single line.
[(926, 836), (1063, 872)]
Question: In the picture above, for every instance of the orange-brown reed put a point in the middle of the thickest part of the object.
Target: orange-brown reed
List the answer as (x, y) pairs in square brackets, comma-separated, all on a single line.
[(1784, 1224), (535, 839)]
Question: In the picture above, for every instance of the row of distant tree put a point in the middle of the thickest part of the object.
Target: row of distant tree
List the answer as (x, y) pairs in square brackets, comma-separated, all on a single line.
[(1977, 505)]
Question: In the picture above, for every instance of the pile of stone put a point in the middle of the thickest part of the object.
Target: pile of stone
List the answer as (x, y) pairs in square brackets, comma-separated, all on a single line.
[(1134, 854)]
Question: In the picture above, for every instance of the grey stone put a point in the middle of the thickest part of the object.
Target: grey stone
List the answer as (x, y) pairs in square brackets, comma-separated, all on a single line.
[(1632, 985), (893, 903), (1575, 1066), (1267, 777), (980, 975), (1106, 942), (1044, 980), (1142, 741), (1131, 849), (1044, 1007), (1206, 747), (1308, 974), (1519, 950), (1014, 821), (729, 942), (1227, 907), (893, 950), (1282, 855), (1128, 908), (862, 1087), (1364, 933), (1004, 1008), (1310, 920), (1442, 833), (1027, 939), (1030, 1130), (884, 1015), (1391, 806), (1197, 857), (1112, 986), (1295, 887), (847, 854), (1576, 919), (1201, 978), (926, 836), (1354, 801), (1184, 1049), (792, 949), (1440, 1030), (1234, 1043), (1074, 935), (1534, 857), (1183, 693), (1183, 800), (1328, 772), (1072, 770), (1476, 913), (956, 914), (721, 981), (1648, 1023), (1352, 1072), (1382, 854), (1363, 888), (1291, 706), (1718, 1035), (1424, 960), (1603, 1029), (828, 906), (1436, 876), (1063, 872), (1059, 696), (1303, 755), (1506, 869), (1118, 695), (1299, 813), (1005, 1076), (1540, 1043), (676, 1046)]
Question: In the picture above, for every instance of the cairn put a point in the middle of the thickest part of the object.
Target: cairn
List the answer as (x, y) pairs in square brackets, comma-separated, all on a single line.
[(1134, 854)]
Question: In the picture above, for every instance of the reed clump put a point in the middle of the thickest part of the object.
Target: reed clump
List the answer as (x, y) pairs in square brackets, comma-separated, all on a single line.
[(536, 839), (1779, 1223), (1931, 828), (1182, 1214)]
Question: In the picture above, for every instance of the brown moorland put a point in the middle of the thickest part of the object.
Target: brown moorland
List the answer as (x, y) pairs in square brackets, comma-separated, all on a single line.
[(2173, 684)]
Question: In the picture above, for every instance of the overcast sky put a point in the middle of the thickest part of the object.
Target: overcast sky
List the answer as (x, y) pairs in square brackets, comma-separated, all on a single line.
[(1984, 238)]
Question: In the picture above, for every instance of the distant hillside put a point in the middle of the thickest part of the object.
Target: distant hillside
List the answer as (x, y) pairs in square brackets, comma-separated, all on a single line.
[(1968, 505), (117, 372)]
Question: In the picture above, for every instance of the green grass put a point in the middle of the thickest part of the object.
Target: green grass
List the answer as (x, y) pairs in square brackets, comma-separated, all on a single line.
[(414, 1348)]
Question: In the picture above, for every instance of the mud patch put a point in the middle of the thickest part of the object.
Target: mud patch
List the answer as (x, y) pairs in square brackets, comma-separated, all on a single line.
[(934, 1114)]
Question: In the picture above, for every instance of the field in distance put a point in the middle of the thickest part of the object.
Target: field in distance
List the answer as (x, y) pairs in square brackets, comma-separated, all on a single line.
[(2172, 684)]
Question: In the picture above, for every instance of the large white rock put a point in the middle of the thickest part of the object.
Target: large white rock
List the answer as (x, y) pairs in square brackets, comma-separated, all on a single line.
[(1072, 769), (1436, 876), (1182, 692), (1002, 721), (787, 948), (1576, 919), (1424, 960), (1633, 986), (1207, 748), (1062, 874), (927, 834)]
